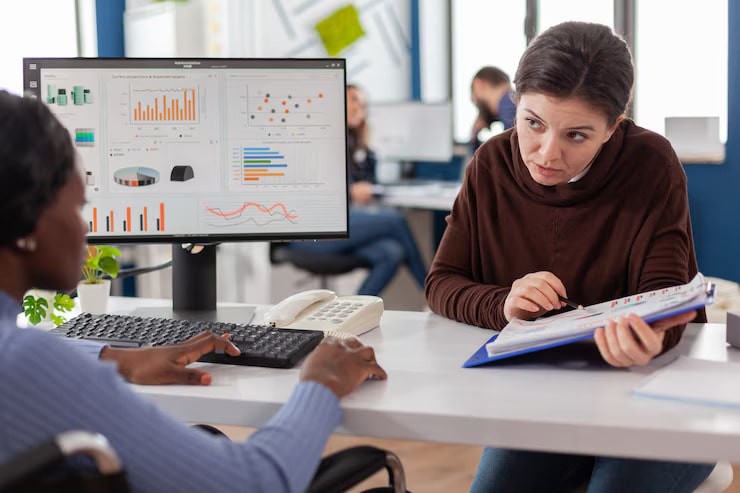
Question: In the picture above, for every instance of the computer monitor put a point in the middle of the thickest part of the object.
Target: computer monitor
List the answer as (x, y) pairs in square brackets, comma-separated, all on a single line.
[(411, 131), (203, 151)]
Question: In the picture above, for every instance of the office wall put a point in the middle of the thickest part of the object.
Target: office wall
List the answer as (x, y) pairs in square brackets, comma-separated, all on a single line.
[(714, 191)]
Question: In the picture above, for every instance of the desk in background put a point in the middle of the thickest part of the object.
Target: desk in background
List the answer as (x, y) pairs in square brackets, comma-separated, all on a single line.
[(550, 401), (425, 204), (433, 196)]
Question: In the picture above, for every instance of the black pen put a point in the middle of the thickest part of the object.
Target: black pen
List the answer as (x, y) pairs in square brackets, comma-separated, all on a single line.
[(570, 303)]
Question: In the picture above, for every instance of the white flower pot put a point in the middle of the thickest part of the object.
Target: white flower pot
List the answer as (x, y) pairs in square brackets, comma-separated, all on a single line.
[(94, 297)]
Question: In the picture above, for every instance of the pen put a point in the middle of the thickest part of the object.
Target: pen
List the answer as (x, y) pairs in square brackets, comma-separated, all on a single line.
[(570, 303)]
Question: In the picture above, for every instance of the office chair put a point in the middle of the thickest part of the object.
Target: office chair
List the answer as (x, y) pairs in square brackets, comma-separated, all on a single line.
[(323, 265), (346, 468), (37, 469)]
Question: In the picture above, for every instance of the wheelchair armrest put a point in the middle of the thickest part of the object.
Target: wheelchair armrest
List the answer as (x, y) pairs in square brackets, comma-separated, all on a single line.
[(346, 468), (55, 451)]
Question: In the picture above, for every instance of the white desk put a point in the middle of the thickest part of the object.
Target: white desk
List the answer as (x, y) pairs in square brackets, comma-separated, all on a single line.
[(547, 403), (435, 196)]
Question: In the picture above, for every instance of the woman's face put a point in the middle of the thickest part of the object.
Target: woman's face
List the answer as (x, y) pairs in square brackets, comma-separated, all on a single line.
[(60, 238), (558, 138), (355, 107)]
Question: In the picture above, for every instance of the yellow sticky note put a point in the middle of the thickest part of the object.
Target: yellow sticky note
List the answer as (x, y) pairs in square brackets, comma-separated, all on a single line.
[(340, 29)]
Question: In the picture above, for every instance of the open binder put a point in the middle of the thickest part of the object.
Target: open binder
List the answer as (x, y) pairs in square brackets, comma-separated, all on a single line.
[(527, 336)]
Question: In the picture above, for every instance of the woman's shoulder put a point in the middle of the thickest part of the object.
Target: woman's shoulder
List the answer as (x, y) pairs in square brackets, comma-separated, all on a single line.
[(650, 153), (647, 141), (494, 155)]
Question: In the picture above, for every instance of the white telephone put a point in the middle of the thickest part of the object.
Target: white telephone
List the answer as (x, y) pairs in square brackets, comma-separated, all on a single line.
[(321, 309)]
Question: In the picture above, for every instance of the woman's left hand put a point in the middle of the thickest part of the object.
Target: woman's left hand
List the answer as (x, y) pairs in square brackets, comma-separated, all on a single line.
[(166, 365), (630, 341)]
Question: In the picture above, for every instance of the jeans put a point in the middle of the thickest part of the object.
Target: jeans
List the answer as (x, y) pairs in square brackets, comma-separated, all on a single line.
[(521, 471), (382, 237)]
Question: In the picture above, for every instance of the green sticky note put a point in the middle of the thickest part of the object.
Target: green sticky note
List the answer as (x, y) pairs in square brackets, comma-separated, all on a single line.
[(340, 29)]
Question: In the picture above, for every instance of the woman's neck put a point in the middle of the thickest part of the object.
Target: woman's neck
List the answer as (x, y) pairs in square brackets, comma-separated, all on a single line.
[(14, 281)]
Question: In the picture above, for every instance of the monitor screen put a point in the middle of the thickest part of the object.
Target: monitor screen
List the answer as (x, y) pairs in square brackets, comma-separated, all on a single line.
[(204, 150), (411, 131)]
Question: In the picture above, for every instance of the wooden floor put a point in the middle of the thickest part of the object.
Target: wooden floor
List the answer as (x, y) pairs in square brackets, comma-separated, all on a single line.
[(429, 467)]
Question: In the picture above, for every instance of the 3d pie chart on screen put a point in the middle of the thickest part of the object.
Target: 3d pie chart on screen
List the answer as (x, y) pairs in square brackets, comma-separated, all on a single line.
[(136, 176)]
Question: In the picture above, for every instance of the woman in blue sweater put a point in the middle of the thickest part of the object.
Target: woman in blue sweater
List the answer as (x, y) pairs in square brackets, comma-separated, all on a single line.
[(49, 386)]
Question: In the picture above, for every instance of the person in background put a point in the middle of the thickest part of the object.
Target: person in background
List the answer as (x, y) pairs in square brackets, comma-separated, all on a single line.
[(50, 386), (576, 201), (490, 92), (379, 235)]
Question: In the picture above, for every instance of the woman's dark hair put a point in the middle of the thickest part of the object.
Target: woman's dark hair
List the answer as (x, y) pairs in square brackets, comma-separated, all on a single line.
[(36, 159), (579, 59)]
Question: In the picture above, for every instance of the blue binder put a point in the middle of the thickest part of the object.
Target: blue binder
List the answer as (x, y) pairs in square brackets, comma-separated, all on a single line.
[(481, 356)]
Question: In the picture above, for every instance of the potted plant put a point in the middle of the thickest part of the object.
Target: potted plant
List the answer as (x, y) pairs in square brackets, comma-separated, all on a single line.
[(43, 307), (94, 289)]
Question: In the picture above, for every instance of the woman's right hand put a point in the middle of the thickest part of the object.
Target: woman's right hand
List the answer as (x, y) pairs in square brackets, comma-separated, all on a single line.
[(533, 295), (361, 192), (341, 365)]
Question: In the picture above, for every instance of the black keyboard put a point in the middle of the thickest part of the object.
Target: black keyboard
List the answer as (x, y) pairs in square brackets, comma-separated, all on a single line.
[(260, 345)]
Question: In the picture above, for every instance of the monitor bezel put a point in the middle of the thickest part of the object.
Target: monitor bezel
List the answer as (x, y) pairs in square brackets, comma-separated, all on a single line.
[(196, 63)]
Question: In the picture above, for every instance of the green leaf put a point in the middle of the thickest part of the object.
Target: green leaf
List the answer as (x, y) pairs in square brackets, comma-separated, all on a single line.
[(35, 309), (57, 319), (101, 260), (109, 265), (63, 302)]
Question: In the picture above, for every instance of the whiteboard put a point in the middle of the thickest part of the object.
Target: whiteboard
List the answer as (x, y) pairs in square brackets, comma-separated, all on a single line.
[(411, 131)]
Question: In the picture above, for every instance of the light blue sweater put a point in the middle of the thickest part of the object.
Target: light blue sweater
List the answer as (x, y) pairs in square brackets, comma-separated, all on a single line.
[(49, 386)]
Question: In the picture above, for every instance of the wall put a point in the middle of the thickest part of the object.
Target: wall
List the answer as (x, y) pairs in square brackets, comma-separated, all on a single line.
[(714, 191)]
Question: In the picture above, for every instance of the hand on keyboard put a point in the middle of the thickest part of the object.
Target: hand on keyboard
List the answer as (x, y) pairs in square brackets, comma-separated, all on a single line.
[(166, 364), (341, 365)]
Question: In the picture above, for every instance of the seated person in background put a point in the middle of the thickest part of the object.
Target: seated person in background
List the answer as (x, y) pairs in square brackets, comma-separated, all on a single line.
[(491, 93), (49, 386), (380, 236), (576, 201)]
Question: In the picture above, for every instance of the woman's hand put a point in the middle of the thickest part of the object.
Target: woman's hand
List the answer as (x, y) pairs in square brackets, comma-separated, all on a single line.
[(630, 341), (166, 364), (341, 365), (533, 295), (361, 192)]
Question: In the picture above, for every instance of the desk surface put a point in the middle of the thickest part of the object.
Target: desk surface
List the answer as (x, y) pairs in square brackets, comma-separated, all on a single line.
[(433, 195), (563, 400)]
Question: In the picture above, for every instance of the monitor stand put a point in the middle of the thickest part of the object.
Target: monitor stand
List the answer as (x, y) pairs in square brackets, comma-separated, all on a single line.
[(194, 291)]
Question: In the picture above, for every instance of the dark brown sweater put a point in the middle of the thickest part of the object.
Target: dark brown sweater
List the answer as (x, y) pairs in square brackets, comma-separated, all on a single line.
[(624, 228)]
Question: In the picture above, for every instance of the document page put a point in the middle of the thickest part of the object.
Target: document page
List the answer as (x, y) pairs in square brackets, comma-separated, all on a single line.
[(694, 380), (653, 305)]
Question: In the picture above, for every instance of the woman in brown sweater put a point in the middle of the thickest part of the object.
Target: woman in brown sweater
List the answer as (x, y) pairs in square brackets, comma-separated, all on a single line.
[(575, 201)]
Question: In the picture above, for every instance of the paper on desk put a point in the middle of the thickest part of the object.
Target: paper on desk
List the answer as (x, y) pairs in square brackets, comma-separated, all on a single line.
[(522, 334), (715, 383)]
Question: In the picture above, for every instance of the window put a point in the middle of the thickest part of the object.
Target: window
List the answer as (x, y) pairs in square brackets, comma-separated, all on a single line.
[(41, 28), (554, 12), (681, 62), (483, 33)]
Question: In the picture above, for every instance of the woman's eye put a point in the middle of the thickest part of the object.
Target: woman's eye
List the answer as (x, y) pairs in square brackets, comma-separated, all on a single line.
[(577, 136), (533, 123)]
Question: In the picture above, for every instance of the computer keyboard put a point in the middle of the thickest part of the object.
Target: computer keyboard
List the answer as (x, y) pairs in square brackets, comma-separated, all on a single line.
[(260, 345)]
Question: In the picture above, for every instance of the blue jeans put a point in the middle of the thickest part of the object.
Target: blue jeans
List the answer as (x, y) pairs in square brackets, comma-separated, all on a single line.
[(521, 471), (382, 237)]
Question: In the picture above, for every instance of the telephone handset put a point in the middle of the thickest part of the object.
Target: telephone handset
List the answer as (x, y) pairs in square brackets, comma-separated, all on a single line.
[(321, 309)]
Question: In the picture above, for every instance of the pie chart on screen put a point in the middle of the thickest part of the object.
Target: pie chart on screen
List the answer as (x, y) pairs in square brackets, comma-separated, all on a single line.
[(136, 176)]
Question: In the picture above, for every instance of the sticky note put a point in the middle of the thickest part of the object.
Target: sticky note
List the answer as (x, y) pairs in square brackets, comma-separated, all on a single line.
[(340, 29)]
